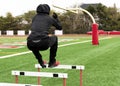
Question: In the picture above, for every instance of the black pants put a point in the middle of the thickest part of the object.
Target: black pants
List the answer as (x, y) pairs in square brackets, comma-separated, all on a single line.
[(44, 44)]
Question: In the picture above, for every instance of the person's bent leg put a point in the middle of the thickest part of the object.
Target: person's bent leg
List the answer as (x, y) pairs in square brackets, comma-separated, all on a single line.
[(53, 50), (39, 57)]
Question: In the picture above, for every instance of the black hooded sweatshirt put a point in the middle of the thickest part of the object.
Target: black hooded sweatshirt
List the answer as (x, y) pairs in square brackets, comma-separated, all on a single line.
[(42, 22)]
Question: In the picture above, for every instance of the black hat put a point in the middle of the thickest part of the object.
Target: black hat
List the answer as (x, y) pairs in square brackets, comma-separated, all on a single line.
[(43, 8)]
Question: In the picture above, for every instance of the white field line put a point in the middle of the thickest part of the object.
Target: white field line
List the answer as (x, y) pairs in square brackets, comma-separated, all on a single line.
[(17, 54), (22, 53), (74, 43), (66, 40)]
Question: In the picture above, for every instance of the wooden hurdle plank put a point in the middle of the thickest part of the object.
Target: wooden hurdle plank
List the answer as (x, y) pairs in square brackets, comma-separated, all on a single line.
[(75, 67), (41, 74), (13, 84)]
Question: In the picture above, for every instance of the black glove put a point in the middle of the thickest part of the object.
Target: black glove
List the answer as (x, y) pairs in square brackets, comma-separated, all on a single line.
[(55, 15)]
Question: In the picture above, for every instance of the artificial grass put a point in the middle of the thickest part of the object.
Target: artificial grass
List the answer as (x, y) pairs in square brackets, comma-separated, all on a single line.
[(101, 63)]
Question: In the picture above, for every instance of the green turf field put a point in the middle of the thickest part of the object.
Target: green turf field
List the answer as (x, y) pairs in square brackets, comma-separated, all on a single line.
[(102, 62)]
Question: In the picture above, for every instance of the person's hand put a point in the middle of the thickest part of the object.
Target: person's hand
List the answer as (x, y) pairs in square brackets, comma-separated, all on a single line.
[(55, 15)]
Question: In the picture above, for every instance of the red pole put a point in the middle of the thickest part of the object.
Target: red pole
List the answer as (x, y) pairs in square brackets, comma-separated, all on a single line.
[(95, 34), (64, 81), (16, 78), (38, 77), (80, 77)]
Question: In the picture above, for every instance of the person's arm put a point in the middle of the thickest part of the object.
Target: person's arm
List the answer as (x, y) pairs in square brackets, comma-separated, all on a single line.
[(56, 22)]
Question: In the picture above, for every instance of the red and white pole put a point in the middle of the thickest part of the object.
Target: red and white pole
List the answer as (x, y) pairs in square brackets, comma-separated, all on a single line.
[(95, 34)]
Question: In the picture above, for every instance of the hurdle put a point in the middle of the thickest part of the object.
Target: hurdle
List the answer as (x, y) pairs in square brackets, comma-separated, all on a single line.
[(40, 74), (13, 84), (75, 67)]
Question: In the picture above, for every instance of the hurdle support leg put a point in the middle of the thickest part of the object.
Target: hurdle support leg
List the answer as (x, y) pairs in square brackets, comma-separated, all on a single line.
[(81, 78), (64, 81), (38, 77), (16, 78)]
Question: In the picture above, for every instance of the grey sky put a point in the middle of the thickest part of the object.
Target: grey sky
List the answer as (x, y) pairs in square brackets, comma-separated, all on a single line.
[(17, 7)]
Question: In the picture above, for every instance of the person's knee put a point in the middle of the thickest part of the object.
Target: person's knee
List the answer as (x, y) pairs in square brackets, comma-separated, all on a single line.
[(53, 40)]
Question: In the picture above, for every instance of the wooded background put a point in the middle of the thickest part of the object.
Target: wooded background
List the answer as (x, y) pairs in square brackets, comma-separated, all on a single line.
[(108, 19)]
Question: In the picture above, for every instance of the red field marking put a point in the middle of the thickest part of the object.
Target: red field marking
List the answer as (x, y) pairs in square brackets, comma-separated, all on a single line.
[(8, 46)]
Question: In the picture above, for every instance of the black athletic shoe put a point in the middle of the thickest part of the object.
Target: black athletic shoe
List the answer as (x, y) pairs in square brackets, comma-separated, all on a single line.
[(43, 66)]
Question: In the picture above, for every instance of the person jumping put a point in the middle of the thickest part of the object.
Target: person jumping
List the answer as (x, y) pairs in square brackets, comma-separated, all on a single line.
[(39, 39)]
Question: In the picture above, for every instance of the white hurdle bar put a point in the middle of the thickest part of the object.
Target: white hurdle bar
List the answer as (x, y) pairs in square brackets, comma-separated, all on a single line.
[(75, 67), (13, 84), (40, 74)]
